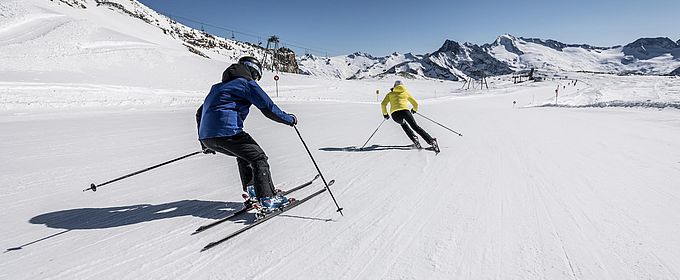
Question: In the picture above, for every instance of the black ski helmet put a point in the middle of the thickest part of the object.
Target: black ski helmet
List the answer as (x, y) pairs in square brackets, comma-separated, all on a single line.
[(254, 65)]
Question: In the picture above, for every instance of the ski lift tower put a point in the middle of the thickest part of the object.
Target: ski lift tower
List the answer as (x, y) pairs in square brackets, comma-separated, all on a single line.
[(270, 55), (482, 81)]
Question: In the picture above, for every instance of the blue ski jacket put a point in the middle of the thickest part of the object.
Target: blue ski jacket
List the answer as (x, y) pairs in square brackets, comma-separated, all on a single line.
[(228, 104)]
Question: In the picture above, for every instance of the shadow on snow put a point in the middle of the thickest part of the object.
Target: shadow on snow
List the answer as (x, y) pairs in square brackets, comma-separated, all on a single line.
[(99, 218)]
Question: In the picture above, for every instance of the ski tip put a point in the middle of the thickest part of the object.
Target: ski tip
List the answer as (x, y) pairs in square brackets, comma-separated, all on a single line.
[(13, 249), (198, 230), (210, 245)]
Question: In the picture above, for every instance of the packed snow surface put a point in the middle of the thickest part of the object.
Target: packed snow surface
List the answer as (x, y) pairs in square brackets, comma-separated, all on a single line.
[(538, 187)]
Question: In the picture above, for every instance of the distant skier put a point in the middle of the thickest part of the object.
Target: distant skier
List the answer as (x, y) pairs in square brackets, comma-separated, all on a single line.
[(220, 127), (398, 98)]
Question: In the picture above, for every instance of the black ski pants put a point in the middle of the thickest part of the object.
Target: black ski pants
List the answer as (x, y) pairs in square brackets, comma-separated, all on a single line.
[(252, 161), (405, 119)]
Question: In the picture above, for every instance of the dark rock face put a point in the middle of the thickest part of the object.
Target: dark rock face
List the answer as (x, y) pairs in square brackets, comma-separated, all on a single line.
[(360, 54), (451, 59), (675, 72), (470, 59), (647, 48), (556, 45), (507, 42), (286, 60), (74, 3), (450, 46)]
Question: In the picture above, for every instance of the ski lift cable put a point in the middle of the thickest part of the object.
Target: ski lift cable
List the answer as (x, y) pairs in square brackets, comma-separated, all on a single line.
[(251, 35)]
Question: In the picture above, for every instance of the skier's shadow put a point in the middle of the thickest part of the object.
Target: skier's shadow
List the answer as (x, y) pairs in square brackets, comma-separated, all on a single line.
[(371, 148), (99, 218)]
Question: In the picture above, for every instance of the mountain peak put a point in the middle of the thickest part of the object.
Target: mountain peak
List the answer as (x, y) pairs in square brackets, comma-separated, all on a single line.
[(550, 43), (360, 54), (646, 48), (559, 46), (508, 41), (505, 37), (450, 46), (660, 42)]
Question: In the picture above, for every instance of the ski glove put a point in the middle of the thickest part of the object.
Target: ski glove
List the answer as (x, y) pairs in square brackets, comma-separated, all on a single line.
[(413, 111), (387, 117), (294, 119)]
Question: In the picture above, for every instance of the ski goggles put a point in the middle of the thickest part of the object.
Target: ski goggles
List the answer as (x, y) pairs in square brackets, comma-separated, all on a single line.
[(254, 66)]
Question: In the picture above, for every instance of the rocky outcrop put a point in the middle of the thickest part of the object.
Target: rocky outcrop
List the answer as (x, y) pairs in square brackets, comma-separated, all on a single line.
[(287, 61), (556, 45), (647, 48), (675, 72), (506, 41), (470, 59), (73, 3)]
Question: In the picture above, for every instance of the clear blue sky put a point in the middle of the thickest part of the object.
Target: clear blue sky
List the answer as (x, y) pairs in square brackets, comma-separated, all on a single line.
[(383, 27)]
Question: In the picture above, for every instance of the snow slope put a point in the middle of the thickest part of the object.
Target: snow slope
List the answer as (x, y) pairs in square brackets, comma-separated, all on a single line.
[(590, 194)]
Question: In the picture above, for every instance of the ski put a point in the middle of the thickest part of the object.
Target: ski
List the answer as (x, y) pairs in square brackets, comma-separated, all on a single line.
[(249, 207), (267, 217)]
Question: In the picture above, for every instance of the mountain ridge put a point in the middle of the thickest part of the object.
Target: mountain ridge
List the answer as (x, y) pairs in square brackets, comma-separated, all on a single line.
[(452, 61), (507, 54)]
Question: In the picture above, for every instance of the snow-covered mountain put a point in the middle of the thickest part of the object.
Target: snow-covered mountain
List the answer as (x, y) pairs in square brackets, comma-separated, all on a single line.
[(119, 30), (451, 62), (454, 61), (653, 56), (117, 42), (196, 41), (357, 65)]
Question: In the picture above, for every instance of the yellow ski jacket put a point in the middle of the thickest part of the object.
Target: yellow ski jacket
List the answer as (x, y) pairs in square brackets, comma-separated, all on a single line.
[(398, 99)]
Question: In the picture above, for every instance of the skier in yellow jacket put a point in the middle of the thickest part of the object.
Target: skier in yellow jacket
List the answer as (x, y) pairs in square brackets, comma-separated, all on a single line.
[(398, 99)]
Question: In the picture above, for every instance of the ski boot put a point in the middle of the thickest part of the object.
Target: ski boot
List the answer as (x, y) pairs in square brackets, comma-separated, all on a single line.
[(271, 204), (435, 145), (250, 199), (416, 143)]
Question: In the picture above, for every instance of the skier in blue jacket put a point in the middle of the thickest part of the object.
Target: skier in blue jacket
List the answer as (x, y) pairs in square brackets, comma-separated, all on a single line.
[(220, 127)]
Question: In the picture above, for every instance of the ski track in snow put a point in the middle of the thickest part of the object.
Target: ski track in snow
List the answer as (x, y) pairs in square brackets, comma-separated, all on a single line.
[(30, 28)]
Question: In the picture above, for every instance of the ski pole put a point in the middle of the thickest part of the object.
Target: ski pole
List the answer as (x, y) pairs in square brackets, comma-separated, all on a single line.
[(94, 186), (376, 130), (317, 169), (419, 114)]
